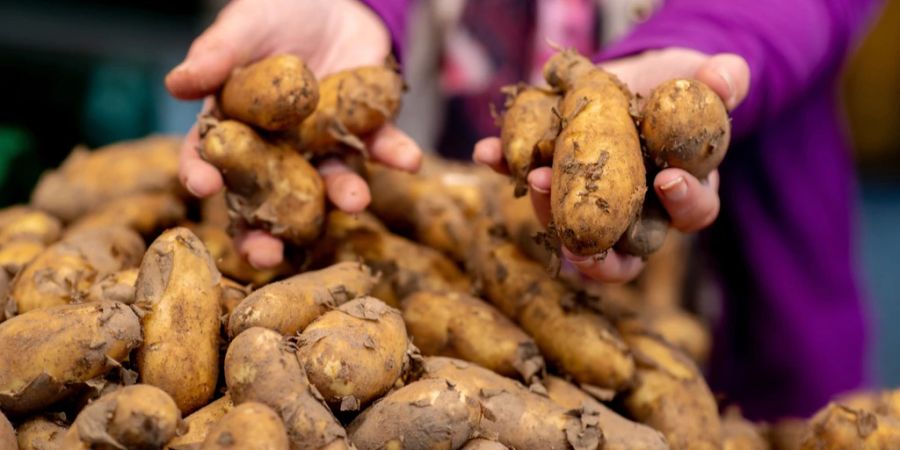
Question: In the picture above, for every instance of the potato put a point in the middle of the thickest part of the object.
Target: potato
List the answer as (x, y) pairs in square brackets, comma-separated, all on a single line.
[(260, 366), (513, 415), (117, 287), (681, 329), (671, 395), (229, 260), (88, 179), (178, 290), (138, 417), (523, 228), (233, 293), (39, 433), (7, 434), (528, 131), (270, 186), (739, 433), (425, 414), (275, 93), (198, 425), (50, 353), (355, 353), (65, 271), (619, 433), (647, 233), (250, 426), (880, 402), (484, 444), (145, 212), (288, 306), (582, 343), (598, 181), (22, 222), (352, 104), (14, 255), (842, 427), (461, 326), (685, 125), (787, 434), (7, 307)]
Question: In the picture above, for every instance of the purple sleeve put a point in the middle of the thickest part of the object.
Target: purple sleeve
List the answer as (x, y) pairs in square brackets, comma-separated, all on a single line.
[(395, 15), (787, 43)]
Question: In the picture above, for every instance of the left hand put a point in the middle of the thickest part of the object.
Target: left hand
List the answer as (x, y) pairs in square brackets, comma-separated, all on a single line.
[(692, 204)]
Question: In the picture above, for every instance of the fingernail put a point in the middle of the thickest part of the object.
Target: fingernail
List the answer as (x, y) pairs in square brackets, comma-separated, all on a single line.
[(539, 190), (580, 260), (732, 95), (675, 189), (192, 187)]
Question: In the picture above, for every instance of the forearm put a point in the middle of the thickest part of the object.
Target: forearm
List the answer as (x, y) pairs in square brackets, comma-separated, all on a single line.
[(395, 15)]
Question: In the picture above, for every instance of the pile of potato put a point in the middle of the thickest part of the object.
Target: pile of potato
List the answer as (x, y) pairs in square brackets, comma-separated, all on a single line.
[(130, 321)]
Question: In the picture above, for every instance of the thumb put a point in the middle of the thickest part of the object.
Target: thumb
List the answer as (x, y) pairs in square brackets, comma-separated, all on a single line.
[(728, 75)]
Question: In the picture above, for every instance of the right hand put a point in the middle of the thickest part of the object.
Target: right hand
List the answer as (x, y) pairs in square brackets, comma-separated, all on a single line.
[(329, 36)]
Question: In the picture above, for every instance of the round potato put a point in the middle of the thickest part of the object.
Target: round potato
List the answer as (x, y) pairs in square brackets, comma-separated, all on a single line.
[(39, 433), (249, 426)]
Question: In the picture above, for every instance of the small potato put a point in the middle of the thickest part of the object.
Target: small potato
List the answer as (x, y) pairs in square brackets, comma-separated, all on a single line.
[(229, 261), (117, 287), (288, 306), (50, 353), (355, 353), (685, 125), (138, 417), (39, 433), (528, 131), (249, 426), (7, 434), (273, 94), (425, 414), (16, 254), (270, 186), (198, 425), (145, 212), (484, 444), (842, 427), (88, 179), (647, 233), (739, 433), (178, 289), (461, 326), (261, 366), (22, 222)]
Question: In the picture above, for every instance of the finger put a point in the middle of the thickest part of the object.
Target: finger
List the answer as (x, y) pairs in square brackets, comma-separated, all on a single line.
[(539, 187), (692, 205), (489, 152), (197, 176), (392, 147), (346, 189), (728, 75), (261, 249), (613, 268)]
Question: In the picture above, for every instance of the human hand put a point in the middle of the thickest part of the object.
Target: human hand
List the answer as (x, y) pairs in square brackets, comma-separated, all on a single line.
[(692, 204), (329, 36)]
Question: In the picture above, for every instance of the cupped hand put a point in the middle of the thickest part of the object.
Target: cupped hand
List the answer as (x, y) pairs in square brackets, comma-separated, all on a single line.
[(692, 204), (329, 36)]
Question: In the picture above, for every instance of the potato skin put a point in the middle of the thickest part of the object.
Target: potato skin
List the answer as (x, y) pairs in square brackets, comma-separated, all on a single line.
[(739, 433), (842, 427), (288, 306), (529, 128), (458, 325), (250, 426), (22, 222), (16, 254), (685, 125), (598, 181), (484, 444), (229, 261), (275, 93), (145, 212), (135, 417), (270, 186), (7, 434), (647, 233), (39, 433), (75, 343), (7, 307), (261, 366), (197, 425), (178, 288), (117, 287)]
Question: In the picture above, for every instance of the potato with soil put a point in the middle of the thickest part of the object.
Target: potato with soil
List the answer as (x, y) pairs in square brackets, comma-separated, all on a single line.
[(352, 104), (261, 366), (39, 433), (269, 186), (598, 181), (842, 427), (134, 417), (7, 434), (249, 426), (457, 325), (355, 353), (484, 444), (117, 287), (685, 125), (16, 254), (196, 426), (288, 306), (89, 179), (146, 212), (66, 270), (528, 131), (739, 433), (178, 289), (274, 94), (51, 353), (22, 222)]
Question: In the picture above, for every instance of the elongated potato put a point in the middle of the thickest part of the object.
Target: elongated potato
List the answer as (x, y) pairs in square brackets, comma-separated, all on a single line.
[(528, 132), (739, 433), (598, 181), (288, 306), (425, 414), (273, 94), (842, 427), (270, 186), (685, 125), (75, 343), (138, 416), (178, 288), (144, 212), (261, 366), (7, 434), (39, 433), (117, 287), (514, 415), (229, 260), (352, 104), (355, 353), (461, 326), (249, 426), (14, 255), (22, 222), (88, 179), (198, 425)]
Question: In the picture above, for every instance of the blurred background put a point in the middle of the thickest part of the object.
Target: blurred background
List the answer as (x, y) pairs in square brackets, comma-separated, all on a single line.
[(90, 72)]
